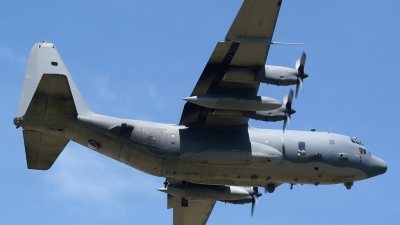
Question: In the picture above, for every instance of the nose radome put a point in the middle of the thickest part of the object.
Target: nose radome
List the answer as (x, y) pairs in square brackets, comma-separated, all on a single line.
[(377, 166)]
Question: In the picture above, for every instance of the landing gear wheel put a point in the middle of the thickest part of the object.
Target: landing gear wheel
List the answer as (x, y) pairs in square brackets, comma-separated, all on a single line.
[(270, 188), (348, 185)]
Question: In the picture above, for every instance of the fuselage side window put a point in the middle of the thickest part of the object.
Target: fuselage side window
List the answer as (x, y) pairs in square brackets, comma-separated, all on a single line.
[(302, 149)]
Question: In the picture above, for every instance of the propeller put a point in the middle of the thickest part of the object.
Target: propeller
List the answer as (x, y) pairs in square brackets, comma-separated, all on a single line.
[(300, 63), (254, 199), (287, 101)]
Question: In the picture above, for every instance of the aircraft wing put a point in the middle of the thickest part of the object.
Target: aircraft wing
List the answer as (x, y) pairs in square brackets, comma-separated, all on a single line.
[(246, 45), (190, 211)]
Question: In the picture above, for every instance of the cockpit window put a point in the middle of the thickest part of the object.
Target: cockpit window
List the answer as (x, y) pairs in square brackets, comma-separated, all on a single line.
[(362, 151), (356, 141)]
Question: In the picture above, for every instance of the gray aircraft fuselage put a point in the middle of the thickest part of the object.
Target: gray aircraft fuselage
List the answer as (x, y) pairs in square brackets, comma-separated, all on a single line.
[(242, 155)]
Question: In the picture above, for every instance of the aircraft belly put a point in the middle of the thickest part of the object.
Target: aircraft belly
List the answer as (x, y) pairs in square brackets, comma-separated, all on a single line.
[(179, 169), (306, 173), (142, 161)]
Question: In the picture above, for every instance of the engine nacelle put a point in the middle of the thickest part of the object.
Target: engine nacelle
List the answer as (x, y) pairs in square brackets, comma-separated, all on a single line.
[(276, 75), (234, 102), (268, 116), (243, 201), (209, 192)]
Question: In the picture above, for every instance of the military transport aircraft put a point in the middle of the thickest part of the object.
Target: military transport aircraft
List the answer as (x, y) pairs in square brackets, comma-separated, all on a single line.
[(212, 154)]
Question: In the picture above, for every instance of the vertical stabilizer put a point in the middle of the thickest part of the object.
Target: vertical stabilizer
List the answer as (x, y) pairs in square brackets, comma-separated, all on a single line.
[(45, 59)]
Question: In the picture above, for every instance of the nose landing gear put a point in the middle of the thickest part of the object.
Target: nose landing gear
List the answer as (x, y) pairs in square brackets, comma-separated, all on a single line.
[(348, 185)]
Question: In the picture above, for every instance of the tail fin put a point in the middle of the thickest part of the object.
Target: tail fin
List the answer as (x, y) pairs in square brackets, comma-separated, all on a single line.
[(49, 98), (44, 59)]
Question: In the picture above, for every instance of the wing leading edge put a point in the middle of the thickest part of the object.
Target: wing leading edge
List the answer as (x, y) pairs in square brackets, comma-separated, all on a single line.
[(246, 45)]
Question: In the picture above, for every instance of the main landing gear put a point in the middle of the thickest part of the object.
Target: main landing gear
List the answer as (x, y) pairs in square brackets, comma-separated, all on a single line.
[(270, 188)]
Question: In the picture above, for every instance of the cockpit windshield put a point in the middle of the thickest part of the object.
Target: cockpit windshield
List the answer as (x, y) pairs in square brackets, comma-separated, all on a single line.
[(356, 141)]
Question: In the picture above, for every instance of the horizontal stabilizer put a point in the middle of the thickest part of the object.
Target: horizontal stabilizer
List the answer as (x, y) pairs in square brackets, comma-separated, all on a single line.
[(42, 149)]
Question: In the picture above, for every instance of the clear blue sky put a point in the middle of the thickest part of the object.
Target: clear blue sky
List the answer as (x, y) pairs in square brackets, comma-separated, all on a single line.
[(138, 59)]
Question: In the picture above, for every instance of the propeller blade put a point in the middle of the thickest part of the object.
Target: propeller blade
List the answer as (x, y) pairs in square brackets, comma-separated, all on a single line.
[(300, 63), (303, 58), (299, 83), (284, 125), (254, 199), (288, 99), (285, 99), (252, 208), (253, 203), (287, 118)]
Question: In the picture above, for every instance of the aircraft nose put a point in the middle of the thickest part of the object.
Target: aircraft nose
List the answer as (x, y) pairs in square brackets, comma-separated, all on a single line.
[(377, 167)]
